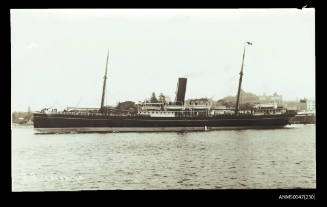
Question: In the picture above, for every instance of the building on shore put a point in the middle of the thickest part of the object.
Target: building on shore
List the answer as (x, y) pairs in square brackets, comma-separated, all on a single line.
[(273, 99), (307, 105), (199, 102), (303, 105)]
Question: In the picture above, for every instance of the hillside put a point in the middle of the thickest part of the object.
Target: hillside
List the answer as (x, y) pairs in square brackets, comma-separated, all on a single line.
[(246, 100)]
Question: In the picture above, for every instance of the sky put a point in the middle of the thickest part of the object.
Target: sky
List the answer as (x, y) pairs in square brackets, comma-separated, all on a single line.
[(58, 56)]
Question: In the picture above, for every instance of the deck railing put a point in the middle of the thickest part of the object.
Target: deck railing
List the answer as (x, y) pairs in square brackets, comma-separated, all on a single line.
[(191, 116)]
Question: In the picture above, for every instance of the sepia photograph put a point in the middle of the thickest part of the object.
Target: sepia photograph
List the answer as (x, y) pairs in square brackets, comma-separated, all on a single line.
[(163, 99)]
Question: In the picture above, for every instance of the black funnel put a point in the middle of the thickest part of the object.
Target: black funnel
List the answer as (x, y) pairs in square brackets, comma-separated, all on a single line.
[(181, 89)]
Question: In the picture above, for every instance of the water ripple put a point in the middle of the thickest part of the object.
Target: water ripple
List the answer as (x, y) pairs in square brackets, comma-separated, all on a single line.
[(242, 159)]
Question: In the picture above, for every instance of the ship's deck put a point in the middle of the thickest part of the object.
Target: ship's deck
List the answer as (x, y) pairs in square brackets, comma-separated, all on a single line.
[(136, 116)]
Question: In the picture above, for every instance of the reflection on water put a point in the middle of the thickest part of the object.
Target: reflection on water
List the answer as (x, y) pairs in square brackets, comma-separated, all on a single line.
[(237, 159)]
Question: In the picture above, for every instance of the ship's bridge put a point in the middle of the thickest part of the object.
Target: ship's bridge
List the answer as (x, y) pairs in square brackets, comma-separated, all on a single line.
[(263, 109), (151, 106), (163, 110)]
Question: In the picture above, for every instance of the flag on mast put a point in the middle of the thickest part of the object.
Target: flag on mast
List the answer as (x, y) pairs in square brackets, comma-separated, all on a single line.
[(249, 43)]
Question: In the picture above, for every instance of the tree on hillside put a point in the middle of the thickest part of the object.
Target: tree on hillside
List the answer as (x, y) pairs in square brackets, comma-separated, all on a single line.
[(246, 100), (246, 106), (154, 98), (162, 98), (127, 106)]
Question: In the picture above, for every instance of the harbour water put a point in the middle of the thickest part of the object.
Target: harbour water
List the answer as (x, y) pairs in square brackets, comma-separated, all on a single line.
[(225, 159)]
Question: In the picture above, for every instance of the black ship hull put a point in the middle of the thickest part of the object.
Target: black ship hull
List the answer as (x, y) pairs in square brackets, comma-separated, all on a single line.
[(65, 123), (303, 119)]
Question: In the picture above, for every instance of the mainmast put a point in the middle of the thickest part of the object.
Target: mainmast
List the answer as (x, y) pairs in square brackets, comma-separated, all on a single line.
[(240, 81), (104, 83)]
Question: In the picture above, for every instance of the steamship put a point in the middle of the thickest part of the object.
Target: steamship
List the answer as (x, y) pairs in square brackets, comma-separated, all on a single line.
[(173, 116)]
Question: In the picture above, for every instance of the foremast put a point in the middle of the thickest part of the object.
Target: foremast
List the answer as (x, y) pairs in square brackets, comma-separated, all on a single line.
[(104, 84), (240, 80)]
